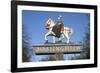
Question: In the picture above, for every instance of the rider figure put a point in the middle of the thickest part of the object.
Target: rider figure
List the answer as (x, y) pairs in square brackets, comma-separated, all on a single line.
[(60, 25), (57, 29), (59, 22)]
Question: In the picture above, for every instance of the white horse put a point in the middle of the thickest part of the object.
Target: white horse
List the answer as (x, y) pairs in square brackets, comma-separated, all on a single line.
[(65, 32)]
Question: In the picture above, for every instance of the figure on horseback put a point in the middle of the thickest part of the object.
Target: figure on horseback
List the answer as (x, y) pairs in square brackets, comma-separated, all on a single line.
[(58, 27), (57, 30)]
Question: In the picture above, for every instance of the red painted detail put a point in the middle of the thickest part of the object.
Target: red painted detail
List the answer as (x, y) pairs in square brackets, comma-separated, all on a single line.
[(62, 29), (65, 30)]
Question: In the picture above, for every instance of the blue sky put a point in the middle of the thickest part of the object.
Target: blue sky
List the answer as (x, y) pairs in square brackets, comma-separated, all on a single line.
[(34, 22)]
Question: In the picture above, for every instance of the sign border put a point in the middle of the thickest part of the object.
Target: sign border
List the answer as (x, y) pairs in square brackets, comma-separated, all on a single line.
[(14, 45)]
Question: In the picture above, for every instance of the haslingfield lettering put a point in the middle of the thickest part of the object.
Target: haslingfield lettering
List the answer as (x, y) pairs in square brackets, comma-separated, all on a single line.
[(57, 49)]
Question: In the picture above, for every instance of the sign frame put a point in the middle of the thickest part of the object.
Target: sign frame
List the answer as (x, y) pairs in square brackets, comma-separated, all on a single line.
[(14, 33)]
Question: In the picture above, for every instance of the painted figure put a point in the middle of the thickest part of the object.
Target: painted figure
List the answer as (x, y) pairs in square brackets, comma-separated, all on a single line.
[(58, 27), (57, 30)]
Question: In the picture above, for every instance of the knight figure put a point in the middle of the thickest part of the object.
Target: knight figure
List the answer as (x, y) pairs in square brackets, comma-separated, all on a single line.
[(58, 27), (57, 30)]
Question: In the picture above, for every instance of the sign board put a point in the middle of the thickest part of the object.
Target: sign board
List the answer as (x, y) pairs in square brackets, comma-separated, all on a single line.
[(57, 48)]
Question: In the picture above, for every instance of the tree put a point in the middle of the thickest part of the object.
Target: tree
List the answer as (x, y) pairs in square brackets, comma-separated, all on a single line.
[(87, 43), (25, 45), (86, 40)]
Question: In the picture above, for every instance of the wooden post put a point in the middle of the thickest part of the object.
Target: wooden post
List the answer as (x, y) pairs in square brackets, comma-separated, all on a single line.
[(59, 56)]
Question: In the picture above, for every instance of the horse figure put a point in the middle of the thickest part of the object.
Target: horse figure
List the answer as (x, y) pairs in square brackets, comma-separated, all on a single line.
[(53, 30)]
